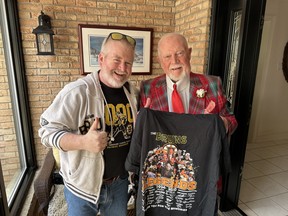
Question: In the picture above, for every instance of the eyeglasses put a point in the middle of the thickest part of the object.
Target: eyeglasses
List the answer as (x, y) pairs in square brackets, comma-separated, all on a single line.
[(120, 36)]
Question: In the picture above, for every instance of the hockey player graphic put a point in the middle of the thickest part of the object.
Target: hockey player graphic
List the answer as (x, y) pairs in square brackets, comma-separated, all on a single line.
[(120, 126), (168, 164)]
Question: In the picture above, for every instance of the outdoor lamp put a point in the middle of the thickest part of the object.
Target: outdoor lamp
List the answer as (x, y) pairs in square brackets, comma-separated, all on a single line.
[(44, 35)]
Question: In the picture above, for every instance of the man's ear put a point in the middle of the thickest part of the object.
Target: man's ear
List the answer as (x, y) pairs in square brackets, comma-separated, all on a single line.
[(100, 58), (190, 51), (159, 60)]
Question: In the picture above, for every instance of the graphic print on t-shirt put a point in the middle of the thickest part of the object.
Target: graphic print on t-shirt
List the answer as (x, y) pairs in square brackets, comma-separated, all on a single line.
[(173, 193), (168, 178), (122, 123)]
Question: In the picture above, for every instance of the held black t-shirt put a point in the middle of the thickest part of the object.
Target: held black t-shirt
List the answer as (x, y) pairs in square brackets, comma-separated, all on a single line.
[(178, 158), (119, 126)]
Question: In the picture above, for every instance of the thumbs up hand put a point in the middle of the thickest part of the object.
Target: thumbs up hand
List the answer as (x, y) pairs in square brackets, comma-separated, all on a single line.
[(95, 140)]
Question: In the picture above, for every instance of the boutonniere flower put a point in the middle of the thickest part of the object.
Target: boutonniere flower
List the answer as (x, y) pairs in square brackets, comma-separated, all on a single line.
[(200, 93)]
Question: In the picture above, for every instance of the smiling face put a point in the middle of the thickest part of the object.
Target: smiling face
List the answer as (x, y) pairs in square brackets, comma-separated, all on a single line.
[(116, 61), (174, 56)]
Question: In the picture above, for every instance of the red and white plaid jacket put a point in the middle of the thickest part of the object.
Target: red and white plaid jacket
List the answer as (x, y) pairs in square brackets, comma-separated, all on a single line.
[(214, 99)]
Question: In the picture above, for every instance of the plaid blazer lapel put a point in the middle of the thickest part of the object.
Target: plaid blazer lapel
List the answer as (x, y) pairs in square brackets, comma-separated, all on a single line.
[(197, 105), (209, 103), (159, 94)]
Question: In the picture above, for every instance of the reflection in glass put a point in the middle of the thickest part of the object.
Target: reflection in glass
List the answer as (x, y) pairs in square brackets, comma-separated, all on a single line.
[(233, 59)]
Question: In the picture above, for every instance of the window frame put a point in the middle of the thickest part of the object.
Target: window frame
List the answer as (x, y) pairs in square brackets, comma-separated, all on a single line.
[(12, 44)]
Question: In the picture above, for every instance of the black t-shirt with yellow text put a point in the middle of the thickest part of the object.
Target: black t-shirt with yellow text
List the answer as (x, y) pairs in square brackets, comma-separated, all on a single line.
[(179, 158), (119, 126)]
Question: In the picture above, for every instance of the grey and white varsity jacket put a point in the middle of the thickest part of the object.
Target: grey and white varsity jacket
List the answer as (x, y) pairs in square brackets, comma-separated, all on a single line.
[(73, 111)]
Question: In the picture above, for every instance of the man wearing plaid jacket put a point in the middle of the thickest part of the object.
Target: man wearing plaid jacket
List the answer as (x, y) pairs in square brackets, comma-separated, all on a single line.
[(201, 94)]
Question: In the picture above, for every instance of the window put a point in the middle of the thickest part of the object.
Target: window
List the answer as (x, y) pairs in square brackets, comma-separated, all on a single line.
[(16, 138)]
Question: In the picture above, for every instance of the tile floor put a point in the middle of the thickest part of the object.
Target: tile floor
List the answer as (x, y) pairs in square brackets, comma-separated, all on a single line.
[(264, 187)]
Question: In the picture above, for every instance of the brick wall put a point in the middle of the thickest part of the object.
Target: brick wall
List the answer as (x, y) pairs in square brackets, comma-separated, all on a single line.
[(192, 19), (46, 75)]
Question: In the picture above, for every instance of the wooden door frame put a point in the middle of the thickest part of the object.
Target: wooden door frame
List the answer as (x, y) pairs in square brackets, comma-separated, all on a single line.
[(248, 59)]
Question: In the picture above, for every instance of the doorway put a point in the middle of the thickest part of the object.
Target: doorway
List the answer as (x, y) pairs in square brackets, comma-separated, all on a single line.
[(234, 50), (264, 186)]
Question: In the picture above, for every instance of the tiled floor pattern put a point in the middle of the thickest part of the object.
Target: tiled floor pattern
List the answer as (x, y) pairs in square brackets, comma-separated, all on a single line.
[(264, 187)]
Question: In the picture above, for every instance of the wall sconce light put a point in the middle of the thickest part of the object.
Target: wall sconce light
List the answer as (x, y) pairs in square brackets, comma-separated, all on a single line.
[(44, 35)]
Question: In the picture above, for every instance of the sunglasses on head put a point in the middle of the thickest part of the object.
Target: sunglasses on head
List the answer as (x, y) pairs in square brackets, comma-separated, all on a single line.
[(120, 36)]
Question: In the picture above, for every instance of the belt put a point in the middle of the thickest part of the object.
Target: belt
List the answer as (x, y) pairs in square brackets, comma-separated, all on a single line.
[(109, 181)]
